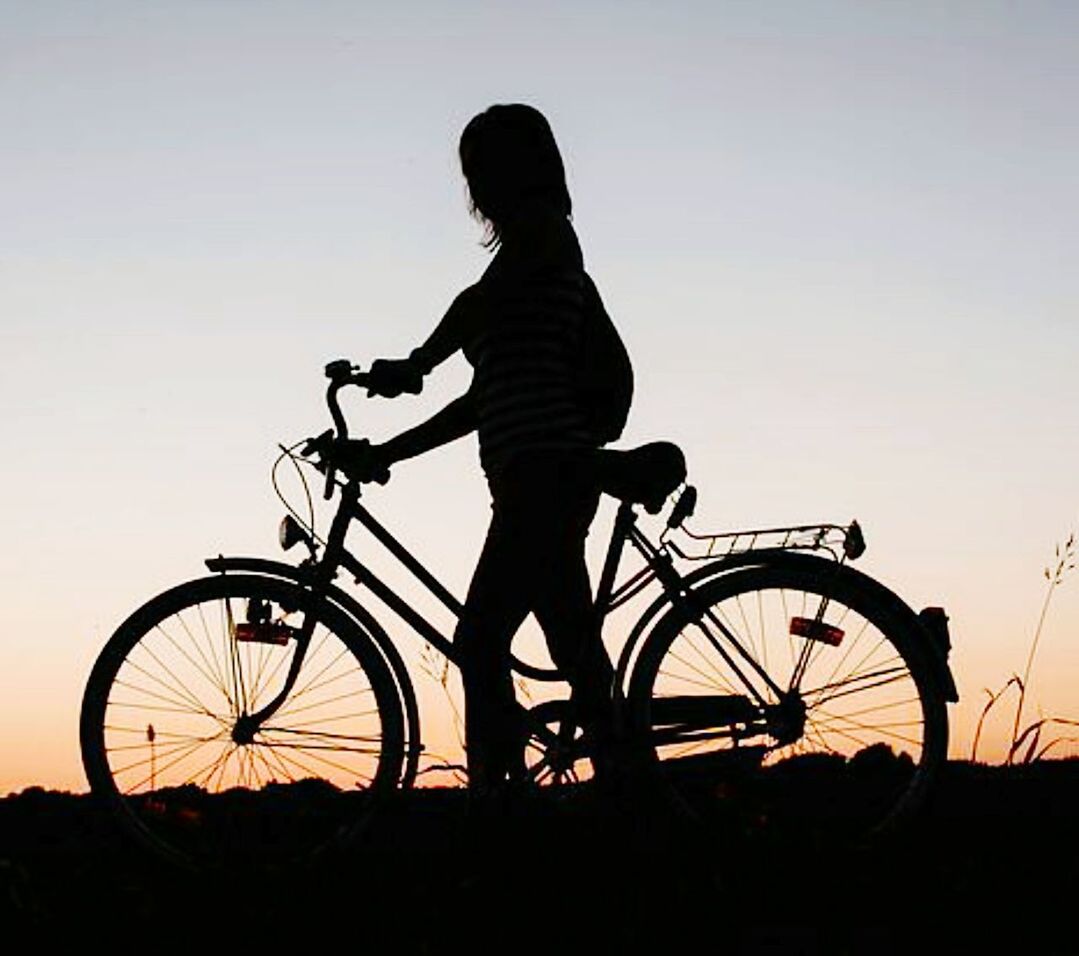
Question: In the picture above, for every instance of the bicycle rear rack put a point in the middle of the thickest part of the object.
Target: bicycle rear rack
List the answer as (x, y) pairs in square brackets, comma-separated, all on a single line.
[(840, 541)]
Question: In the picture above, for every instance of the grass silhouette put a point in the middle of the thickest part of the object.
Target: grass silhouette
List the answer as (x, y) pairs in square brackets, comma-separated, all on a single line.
[(1026, 742)]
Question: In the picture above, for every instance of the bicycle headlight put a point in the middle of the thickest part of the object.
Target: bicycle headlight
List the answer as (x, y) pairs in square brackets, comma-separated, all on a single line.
[(289, 532)]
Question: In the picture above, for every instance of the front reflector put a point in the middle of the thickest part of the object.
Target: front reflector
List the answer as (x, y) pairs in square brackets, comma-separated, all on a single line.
[(813, 630)]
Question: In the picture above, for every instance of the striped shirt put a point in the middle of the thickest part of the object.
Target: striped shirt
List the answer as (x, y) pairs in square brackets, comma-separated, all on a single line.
[(525, 355)]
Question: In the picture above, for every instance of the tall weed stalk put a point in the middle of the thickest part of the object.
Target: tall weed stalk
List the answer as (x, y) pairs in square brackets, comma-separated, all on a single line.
[(1027, 739), (1026, 742)]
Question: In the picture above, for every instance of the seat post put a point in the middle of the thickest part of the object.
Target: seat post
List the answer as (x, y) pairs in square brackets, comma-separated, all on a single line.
[(624, 520)]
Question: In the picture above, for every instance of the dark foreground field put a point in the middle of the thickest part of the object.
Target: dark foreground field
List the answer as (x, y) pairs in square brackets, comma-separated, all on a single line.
[(992, 867)]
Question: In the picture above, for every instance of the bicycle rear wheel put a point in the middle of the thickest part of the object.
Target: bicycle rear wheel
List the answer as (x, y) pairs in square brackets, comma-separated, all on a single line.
[(165, 745), (847, 738)]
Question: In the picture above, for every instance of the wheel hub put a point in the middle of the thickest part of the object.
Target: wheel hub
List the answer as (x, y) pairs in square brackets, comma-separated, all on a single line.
[(243, 731), (787, 719)]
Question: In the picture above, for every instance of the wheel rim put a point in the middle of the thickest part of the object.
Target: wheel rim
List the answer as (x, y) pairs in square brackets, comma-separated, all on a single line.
[(167, 741), (868, 737)]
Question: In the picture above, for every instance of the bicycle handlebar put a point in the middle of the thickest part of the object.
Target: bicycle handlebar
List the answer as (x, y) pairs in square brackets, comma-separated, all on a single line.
[(340, 372)]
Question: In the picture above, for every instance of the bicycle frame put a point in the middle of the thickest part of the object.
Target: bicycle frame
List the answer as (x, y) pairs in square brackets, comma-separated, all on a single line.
[(318, 575)]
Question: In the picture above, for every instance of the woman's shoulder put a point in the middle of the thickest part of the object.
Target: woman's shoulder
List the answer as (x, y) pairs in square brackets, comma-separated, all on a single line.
[(535, 245), (550, 237)]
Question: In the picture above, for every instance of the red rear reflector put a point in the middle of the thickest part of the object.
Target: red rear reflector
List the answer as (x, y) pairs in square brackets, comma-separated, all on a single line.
[(816, 631), (267, 633)]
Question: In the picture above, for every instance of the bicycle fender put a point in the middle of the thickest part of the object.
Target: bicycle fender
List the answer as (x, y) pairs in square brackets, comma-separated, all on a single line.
[(366, 621)]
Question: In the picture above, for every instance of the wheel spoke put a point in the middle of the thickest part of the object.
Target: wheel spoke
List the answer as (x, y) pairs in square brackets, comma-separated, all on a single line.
[(179, 708), (320, 734), (292, 711), (906, 702), (713, 677), (185, 695), (876, 678), (163, 749), (218, 667), (198, 665), (748, 630), (272, 676), (761, 630), (291, 758), (695, 683), (203, 776), (350, 695), (310, 656), (311, 751), (157, 771), (155, 707), (847, 651), (831, 720)]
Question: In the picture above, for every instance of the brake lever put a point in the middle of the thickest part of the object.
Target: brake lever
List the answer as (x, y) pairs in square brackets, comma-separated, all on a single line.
[(317, 446), (320, 446)]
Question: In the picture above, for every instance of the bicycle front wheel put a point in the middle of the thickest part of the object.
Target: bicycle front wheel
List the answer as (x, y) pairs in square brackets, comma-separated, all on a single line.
[(167, 744), (794, 697)]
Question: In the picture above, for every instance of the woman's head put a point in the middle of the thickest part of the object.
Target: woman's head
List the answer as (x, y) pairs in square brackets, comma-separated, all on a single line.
[(510, 159)]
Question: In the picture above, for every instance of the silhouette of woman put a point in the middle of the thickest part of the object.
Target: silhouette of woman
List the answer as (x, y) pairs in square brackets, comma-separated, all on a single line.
[(520, 326)]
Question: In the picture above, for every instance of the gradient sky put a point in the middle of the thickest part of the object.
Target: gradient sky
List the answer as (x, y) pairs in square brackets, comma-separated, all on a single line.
[(840, 240)]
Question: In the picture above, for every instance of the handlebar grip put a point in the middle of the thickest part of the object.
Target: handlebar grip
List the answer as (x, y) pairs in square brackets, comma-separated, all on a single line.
[(342, 372), (339, 370)]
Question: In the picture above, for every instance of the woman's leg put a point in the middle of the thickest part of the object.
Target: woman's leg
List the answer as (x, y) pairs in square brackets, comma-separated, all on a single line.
[(533, 560), (561, 598), (562, 603), (495, 608)]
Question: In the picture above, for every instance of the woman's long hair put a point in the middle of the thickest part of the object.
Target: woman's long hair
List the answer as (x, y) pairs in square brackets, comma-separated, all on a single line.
[(510, 158)]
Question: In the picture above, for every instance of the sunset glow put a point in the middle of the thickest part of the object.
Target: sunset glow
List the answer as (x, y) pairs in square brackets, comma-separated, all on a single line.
[(839, 241)]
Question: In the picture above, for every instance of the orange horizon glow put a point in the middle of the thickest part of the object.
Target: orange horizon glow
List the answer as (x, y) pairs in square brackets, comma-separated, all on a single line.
[(837, 239)]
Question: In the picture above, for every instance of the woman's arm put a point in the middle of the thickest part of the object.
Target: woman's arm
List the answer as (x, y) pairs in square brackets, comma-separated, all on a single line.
[(451, 333), (369, 462), (454, 421), (390, 377)]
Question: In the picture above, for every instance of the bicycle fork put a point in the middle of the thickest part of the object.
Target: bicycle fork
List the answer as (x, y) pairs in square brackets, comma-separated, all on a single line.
[(321, 574)]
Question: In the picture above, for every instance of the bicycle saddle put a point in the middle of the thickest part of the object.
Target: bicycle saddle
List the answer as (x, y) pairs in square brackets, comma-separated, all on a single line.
[(644, 475)]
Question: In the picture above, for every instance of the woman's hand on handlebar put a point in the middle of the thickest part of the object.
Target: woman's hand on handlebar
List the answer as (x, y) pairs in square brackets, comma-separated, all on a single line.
[(392, 377), (361, 460)]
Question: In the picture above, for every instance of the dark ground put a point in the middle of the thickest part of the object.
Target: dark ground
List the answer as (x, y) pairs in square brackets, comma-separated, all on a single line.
[(991, 867)]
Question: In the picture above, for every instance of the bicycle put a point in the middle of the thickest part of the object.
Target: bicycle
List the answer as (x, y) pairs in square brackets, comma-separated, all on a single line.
[(263, 711)]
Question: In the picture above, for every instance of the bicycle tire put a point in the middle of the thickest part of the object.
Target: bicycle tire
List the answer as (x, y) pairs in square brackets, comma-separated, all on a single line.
[(875, 727), (159, 717)]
